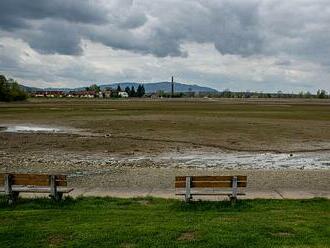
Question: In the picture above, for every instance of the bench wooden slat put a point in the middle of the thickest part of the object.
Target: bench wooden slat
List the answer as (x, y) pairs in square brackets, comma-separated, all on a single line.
[(34, 179), (205, 184), (34, 176), (23, 181), (212, 178)]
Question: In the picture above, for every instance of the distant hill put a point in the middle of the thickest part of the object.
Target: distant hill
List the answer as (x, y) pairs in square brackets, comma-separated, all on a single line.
[(149, 87), (29, 89), (163, 86)]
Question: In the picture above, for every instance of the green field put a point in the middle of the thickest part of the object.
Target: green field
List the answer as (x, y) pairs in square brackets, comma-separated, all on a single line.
[(150, 222)]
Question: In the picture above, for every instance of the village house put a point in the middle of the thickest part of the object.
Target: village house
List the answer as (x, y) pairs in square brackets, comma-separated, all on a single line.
[(50, 94), (83, 94), (123, 94), (38, 94), (107, 93)]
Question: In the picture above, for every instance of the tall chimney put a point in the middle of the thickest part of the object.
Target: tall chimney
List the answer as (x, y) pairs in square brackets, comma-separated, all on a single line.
[(172, 84)]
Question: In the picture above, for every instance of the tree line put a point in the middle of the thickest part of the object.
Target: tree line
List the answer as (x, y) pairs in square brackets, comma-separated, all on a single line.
[(139, 92), (10, 90), (320, 94)]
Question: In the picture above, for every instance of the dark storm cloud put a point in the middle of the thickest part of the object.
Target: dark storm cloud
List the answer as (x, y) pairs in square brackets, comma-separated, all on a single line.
[(230, 25), (287, 40), (48, 25), (238, 27), (55, 37), (16, 13)]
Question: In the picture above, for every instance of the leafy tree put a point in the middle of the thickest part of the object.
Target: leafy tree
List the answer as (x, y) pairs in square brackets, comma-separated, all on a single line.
[(308, 94), (93, 87), (10, 90), (127, 90), (118, 88), (227, 93), (17, 94), (321, 94), (140, 91), (132, 92), (4, 89)]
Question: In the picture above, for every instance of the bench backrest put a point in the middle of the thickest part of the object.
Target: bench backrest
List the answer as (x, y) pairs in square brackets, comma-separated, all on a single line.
[(210, 181), (33, 179)]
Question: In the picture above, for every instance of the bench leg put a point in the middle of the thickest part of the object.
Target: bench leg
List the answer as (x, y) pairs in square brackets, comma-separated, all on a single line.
[(188, 189), (187, 198), (57, 197), (13, 197), (54, 194), (233, 200), (233, 197)]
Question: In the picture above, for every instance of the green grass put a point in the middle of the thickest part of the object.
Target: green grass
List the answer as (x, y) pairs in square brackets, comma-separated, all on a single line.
[(150, 222)]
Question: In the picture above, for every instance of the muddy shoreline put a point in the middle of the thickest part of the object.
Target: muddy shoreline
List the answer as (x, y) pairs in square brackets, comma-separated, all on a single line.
[(101, 171), (45, 149), (72, 162)]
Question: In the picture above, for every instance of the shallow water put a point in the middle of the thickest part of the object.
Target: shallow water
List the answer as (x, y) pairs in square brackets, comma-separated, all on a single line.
[(44, 129), (35, 129), (199, 159), (249, 160), (237, 160), (219, 160)]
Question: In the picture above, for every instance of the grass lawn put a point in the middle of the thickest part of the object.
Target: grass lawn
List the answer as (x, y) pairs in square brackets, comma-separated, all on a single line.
[(150, 222)]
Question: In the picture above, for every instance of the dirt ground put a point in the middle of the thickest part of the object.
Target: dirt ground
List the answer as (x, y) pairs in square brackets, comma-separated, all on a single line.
[(125, 129)]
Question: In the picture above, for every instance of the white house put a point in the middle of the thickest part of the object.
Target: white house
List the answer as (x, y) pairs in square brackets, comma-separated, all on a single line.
[(122, 94)]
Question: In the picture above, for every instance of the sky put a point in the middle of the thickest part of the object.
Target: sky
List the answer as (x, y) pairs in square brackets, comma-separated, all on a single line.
[(240, 45)]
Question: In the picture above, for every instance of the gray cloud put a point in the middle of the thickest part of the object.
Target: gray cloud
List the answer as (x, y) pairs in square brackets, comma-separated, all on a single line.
[(160, 28), (54, 37), (49, 26), (16, 13), (288, 33), (230, 25)]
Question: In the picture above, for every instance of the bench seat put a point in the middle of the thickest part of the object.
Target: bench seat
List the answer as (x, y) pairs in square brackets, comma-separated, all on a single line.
[(12, 184), (210, 185)]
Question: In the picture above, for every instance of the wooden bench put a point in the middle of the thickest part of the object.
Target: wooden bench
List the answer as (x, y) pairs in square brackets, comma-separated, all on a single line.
[(13, 184), (207, 182)]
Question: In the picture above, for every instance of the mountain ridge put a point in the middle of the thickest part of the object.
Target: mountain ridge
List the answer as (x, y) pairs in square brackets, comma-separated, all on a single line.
[(149, 87)]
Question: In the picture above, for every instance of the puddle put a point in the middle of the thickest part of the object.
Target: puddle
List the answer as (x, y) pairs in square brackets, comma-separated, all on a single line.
[(221, 160), (234, 160), (248, 160), (27, 129), (44, 129), (195, 159)]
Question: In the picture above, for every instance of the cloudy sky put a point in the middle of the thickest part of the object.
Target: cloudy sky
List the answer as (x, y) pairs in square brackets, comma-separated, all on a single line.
[(257, 45)]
